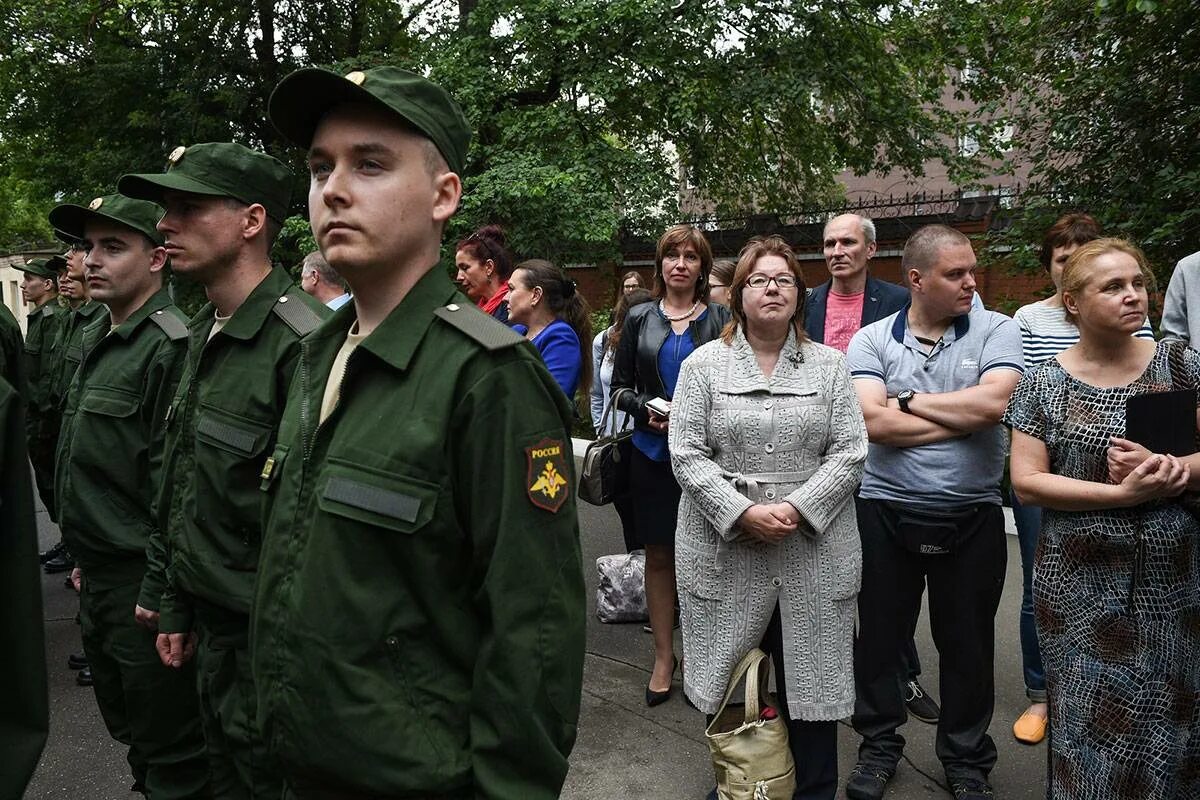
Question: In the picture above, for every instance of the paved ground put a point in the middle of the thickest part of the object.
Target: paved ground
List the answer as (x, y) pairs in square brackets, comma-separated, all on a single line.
[(625, 750)]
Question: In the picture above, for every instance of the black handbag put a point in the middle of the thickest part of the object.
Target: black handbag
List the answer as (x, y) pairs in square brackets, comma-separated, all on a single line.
[(605, 460)]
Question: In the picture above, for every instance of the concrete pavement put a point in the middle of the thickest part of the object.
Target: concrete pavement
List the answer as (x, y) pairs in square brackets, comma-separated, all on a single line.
[(625, 750)]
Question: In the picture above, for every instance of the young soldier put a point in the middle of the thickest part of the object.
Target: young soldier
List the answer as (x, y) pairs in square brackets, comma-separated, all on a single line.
[(415, 635), (130, 361), (79, 312), (224, 206), (41, 334)]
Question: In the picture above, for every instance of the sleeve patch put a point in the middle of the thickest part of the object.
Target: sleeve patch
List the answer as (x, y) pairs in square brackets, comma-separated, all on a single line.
[(546, 474)]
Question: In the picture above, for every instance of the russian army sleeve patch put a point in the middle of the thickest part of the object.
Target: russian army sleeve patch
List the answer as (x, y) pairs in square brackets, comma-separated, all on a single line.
[(546, 474)]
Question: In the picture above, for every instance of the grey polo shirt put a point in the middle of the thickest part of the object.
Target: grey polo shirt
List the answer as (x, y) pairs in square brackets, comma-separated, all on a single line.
[(952, 473)]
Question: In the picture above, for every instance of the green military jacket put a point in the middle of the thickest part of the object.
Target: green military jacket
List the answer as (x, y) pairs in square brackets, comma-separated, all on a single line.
[(41, 339), (418, 626), (110, 452), (12, 349), (221, 426), (23, 698), (69, 348)]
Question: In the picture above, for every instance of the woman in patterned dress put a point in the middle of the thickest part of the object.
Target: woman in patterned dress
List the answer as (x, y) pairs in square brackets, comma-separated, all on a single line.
[(768, 442), (1116, 591)]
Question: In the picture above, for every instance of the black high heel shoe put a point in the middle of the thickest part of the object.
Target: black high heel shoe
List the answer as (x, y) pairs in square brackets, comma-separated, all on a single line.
[(654, 698)]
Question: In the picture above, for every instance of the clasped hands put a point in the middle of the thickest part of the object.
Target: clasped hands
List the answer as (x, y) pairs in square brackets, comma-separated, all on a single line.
[(1145, 475), (770, 522)]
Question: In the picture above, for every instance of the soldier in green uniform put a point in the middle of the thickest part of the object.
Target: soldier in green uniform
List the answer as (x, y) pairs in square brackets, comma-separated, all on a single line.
[(40, 288), (131, 357), (419, 619), (24, 710), (80, 310), (224, 206)]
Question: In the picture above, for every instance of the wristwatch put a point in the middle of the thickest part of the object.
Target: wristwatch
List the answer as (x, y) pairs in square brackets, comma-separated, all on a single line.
[(903, 397)]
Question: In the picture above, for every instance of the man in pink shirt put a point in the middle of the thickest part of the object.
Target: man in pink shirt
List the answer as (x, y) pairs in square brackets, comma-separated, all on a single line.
[(835, 310)]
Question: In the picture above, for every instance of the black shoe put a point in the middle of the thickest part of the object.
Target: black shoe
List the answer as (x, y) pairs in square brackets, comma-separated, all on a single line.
[(920, 704), (63, 562), (971, 789), (654, 698), (75, 661), (53, 552), (867, 782), (84, 677)]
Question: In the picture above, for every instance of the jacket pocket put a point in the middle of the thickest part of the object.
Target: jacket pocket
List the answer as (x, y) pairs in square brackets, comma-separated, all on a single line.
[(699, 573), (232, 433), (394, 502), (110, 402)]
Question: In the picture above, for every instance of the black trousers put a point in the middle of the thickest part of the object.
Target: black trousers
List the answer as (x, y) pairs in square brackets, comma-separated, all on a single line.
[(964, 593)]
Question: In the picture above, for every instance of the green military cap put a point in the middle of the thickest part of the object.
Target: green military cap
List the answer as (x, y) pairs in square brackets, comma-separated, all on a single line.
[(141, 215), (43, 267), (302, 98), (220, 169)]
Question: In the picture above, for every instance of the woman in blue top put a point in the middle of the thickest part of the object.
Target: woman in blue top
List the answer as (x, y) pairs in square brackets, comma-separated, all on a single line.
[(544, 307), (655, 340)]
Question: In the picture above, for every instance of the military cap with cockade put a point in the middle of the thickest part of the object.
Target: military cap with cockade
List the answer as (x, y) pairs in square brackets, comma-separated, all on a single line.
[(304, 97), (141, 215), (218, 169), (43, 267)]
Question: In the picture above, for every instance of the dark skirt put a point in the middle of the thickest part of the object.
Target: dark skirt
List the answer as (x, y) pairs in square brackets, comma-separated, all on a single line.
[(654, 495)]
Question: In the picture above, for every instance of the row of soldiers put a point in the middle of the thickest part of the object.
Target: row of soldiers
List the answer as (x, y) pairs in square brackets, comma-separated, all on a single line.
[(316, 560)]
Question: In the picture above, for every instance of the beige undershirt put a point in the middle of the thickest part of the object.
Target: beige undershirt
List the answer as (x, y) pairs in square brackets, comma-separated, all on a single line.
[(333, 386), (220, 323)]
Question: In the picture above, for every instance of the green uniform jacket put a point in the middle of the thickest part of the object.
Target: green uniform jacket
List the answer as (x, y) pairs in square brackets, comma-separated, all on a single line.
[(220, 428), (24, 711), (41, 340), (70, 349), (418, 628), (12, 349), (110, 453)]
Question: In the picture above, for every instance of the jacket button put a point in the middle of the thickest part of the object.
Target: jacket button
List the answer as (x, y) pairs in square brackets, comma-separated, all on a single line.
[(776, 582), (770, 494), (768, 404), (770, 448), (392, 641)]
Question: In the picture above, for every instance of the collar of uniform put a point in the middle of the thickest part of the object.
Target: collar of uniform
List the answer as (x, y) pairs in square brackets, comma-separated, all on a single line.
[(962, 324), (250, 316), (89, 309), (159, 300), (401, 332)]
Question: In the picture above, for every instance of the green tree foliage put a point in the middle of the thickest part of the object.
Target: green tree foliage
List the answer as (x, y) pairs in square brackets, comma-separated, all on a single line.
[(587, 112), (1108, 108)]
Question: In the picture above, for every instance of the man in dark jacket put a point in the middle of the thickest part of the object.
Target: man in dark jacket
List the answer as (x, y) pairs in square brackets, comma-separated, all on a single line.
[(851, 298)]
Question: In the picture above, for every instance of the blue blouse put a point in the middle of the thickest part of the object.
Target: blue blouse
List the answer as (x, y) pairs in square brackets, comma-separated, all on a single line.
[(675, 349), (559, 348)]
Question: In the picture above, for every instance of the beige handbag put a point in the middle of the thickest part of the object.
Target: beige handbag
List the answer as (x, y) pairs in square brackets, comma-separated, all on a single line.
[(750, 754)]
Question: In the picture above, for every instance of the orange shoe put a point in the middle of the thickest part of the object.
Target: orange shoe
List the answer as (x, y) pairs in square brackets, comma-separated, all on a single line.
[(1030, 728)]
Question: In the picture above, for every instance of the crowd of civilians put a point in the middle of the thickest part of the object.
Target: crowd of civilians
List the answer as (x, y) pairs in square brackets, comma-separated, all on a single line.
[(807, 464)]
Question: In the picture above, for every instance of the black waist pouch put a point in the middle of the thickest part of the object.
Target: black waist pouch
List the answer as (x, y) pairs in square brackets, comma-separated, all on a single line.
[(931, 532)]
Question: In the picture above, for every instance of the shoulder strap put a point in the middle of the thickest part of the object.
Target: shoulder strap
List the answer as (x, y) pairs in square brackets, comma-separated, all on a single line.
[(748, 667), (296, 314), (171, 322), (480, 327), (48, 310)]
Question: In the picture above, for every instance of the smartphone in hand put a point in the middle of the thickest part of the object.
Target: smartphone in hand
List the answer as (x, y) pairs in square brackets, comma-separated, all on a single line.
[(659, 407)]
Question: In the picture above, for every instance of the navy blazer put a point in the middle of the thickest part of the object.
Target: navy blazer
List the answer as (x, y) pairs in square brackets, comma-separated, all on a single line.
[(882, 298)]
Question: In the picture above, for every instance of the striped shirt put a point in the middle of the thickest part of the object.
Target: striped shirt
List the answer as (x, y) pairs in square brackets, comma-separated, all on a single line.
[(1045, 332)]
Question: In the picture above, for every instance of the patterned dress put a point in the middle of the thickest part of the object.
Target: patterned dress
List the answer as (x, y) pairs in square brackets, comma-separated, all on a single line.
[(1121, 644)]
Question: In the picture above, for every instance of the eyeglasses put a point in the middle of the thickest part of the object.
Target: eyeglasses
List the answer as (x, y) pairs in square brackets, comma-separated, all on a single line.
[(760, 281)]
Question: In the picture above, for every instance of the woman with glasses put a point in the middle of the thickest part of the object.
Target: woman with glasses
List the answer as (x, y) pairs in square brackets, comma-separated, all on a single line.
[(484, 266), (655, 340), (630, 281), (768, 443)]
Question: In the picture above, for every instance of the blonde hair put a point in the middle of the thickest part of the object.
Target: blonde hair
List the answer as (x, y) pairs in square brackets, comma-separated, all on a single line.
[(755, 249), (1078, 269)]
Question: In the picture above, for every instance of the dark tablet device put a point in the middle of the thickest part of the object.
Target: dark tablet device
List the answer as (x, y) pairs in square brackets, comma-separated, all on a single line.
[(1163, 422)]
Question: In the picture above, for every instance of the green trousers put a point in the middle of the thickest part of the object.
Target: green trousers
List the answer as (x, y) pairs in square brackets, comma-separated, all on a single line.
[(149, 707), (240, 766)]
